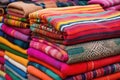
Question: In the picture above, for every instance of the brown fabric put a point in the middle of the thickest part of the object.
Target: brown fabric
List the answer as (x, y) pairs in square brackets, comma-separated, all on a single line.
[(23, 8), (1, 11)]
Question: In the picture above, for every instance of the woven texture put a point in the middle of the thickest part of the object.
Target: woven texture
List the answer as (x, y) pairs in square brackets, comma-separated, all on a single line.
[(80, 52), (97, 73), (22, 9)]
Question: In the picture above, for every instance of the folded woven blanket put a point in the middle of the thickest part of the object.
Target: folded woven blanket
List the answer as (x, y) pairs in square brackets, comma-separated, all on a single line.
[(45, 70), (39, 74), (16, 18), (7, 48), (15, 75), (16, 69), (80, 52), (14, 33), (15, 23), (12, 75), (22, 9), (75, 9), (115, 76), (77, 28), (113, 68), (16, 58), (13, 46), (105, 3), (33, 59), (72, 69), (15, 63), (18, 42)]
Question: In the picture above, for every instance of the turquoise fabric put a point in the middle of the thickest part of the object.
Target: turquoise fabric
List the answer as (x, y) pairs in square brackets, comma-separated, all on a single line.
[(45, 70)]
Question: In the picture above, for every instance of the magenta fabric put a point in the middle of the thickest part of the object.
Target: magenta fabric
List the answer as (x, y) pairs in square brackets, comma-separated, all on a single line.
[(68, 70), (116, 7), (7, 77), (24, 31), (2, 60), (14, 33), (105, 3)]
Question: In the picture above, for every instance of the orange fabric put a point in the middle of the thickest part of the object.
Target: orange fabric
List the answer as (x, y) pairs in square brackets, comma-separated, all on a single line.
[(2, 53), (39, 74), (46, 65), (110, 77), (19, 59)]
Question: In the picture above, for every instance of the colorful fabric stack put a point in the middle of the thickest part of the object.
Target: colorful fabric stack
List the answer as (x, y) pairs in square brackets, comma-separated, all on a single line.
[(15, 38), (15, 59), (63, 43), (107, 4)]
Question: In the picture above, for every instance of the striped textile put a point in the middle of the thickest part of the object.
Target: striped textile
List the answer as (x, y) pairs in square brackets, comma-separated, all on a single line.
[(46, 31), (14, 74), (18, 42), (75, 9), (110, 69), (68, 70), (85, 27), (39, 74), (16, 18), (45, 70), (7, 48), (16, 69), (80, 52), (14, 33), (15, 23), (13, 46), (115, 76), (105, 3)]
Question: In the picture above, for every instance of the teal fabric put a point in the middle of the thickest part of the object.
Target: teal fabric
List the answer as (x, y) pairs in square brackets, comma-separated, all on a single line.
[(2, 78), (45, 70)]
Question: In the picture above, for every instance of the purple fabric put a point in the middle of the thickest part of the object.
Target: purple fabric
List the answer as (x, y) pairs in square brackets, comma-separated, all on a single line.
[(14, 33)]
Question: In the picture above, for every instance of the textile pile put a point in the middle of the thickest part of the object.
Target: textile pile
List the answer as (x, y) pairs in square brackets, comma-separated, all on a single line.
[(74, 43), (15, 38), (59, 40)]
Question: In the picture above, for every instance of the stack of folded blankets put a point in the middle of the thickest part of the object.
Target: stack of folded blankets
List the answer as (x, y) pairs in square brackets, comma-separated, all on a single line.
[(15, 38), (74, 43), (107, 4)]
